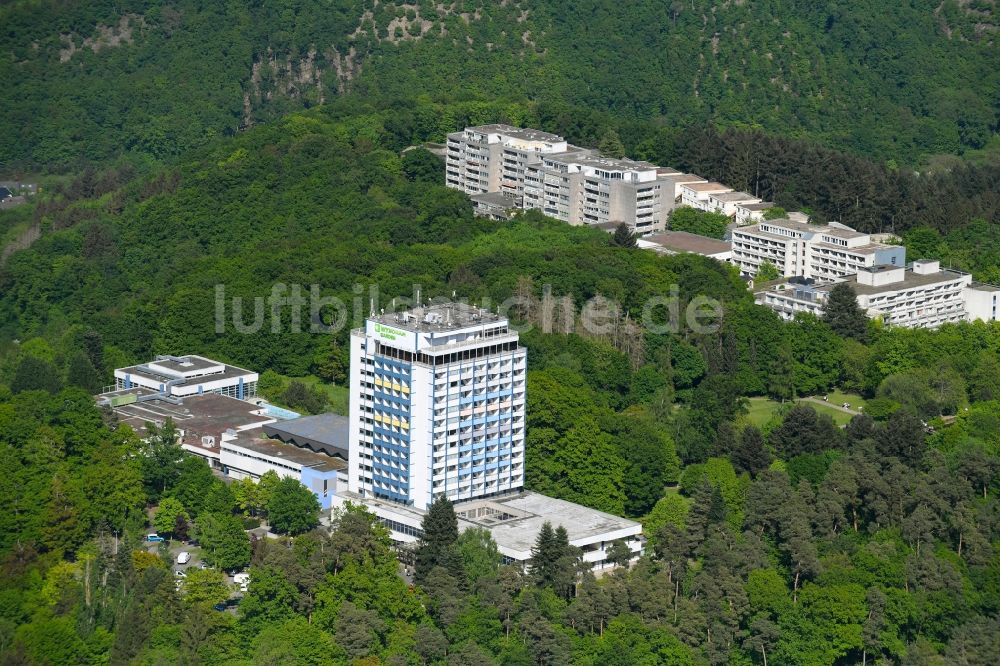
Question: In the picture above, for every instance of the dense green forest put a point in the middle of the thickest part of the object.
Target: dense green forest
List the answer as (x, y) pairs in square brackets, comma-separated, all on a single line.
[(894, 81), (785, 539)]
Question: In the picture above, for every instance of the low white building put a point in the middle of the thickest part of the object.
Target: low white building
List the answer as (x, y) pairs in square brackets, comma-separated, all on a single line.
[(181, 376), (749, 213), (696, 195), (251, 455), (726, 202), (675, 181), (514, 521), (921, 295)]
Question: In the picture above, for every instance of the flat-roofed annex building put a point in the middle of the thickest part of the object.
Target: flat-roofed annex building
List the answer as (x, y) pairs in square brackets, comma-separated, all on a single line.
[(188, 375), (680, 242), (251, 455)]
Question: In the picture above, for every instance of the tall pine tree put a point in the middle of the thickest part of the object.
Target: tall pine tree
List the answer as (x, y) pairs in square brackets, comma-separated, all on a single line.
[(440, 527), (843, 314)]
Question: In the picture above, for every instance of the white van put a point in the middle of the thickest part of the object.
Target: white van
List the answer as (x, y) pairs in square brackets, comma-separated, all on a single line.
[(243, 580), (183, 557)]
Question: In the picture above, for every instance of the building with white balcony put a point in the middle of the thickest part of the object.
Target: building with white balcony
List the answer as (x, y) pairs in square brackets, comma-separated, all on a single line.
[(493, 158), (749, 213), (437, 408), (822, 252), (921, 295), (581, 187), (726, 202), (695, 195)]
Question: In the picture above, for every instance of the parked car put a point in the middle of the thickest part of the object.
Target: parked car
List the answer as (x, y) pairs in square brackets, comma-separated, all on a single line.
[(183, 557), (180, 573), (243, 580), (154, 538)]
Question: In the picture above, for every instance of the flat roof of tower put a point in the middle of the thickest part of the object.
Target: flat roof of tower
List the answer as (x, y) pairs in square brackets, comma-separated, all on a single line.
[(438, 316), (525, 133)]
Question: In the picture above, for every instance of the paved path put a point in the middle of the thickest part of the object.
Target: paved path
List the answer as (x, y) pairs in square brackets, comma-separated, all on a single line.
[(820, 401)]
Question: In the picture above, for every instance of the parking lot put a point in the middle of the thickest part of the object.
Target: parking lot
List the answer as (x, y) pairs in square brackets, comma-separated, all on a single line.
[(175, 548)]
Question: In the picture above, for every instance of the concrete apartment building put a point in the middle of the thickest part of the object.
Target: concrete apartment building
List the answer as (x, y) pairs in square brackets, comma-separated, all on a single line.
[(538, 170), (921, 295), (437, 408), (581, 187), (823, 252), (492, 158)]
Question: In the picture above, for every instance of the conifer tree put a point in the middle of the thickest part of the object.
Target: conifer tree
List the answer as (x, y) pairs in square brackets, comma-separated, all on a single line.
[(623, 236), (844, 315), (440, 528), (750, 454)]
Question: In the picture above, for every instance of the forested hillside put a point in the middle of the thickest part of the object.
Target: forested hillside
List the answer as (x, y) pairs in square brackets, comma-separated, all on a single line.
[(90, 80), (773, 535)]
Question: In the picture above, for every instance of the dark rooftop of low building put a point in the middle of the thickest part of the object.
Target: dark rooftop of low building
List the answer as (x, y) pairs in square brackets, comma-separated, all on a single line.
[(498, 199), (196, 415), (326, 433), (683, 241), (277, 449)]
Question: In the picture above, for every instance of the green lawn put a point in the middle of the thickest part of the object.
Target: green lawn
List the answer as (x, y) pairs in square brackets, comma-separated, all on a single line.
[(838, 397), (762, 409)]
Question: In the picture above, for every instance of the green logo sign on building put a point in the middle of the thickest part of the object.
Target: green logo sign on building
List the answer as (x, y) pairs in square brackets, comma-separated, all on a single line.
[(388, 332)]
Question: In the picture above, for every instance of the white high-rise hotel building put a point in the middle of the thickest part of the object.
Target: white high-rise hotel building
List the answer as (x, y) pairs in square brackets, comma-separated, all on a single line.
[(437, 406)]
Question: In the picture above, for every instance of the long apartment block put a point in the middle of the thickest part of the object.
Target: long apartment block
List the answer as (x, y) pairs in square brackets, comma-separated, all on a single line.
[(822, 252), (921, 295), (538, 170), (493, 158), (581, 187)]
